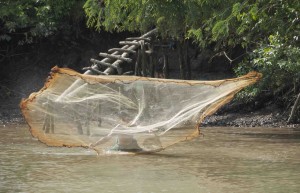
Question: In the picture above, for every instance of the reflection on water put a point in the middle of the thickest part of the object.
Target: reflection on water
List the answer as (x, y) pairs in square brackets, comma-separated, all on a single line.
[(224, 160)]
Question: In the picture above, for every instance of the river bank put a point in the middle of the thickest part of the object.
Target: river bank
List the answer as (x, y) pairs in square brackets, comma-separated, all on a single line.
[(26, 73), (231, 115)]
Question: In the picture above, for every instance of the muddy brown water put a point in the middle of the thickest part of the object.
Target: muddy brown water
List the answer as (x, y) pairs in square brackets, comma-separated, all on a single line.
[(224, 160)]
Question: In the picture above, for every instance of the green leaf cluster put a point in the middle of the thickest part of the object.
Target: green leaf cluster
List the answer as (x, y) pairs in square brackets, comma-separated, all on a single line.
[(279, 61), (28, 19), (267, 30)]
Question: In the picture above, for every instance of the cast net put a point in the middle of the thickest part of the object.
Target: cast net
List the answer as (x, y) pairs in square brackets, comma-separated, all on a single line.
[(124, 113)]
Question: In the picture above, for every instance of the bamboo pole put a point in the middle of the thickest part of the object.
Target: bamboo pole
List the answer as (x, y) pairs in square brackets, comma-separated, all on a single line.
[(109, 70), (133, 47), (138, 39), (98, 72), (79, 84), (102, 63), (129, 43), (121, 50), (117, 57)]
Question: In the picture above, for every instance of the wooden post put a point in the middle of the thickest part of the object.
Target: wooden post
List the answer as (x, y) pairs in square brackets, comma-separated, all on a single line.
[(88, 119), (138, 39), (78, 124), (143, 55), (48, 125), (109, 70), (98, 115), (51, 123), (79, 127), (152, 61), (292, 115), (114, 56), (181, 61), (187, 61), (118, 57), (121, 50), (150, 54), (166, 66), (137, 64)]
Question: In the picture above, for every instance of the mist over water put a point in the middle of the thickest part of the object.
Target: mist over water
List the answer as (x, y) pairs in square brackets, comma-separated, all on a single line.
[(223, 160)]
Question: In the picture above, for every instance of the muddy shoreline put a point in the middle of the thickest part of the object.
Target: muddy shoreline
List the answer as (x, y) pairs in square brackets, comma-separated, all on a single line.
[(27, 74), (231, 115), (236, 114)]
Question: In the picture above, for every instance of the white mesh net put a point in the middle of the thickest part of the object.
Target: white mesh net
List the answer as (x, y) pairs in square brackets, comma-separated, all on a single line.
[(124, 113)]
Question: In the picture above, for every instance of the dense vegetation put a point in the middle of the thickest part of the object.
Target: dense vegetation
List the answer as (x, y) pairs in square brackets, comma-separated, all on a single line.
[(26, 20), (266, 30)]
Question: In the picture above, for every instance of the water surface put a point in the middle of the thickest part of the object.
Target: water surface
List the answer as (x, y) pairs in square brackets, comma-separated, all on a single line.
[(223, 160)]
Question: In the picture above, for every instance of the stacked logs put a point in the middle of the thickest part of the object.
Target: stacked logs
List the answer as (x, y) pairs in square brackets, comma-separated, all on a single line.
[(146, 61)]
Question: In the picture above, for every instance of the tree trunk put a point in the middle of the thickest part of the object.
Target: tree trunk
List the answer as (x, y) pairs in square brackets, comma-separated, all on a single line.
[(137, 69), (144, 59), (181, 61), (187, 61), (166, 66), (293, 112), (152, 61)]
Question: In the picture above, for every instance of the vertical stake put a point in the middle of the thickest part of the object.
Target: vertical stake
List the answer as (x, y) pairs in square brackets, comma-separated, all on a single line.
[(166, 66), (181, 61), (137, 64), (187, 60)]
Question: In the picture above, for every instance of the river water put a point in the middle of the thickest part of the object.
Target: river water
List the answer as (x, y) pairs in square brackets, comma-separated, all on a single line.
[(223, 160)]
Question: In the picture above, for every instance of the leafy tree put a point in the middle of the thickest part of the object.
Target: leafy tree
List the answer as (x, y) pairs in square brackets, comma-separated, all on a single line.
[(175, 18), (23, 20), (267, 30)]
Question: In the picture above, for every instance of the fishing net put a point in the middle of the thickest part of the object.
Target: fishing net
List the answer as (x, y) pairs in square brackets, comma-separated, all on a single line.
[(124, 113)]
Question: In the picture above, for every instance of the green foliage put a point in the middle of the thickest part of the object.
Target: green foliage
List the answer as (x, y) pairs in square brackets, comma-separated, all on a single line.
[(196, 35), (133, 15), (34, 18), (268, 30), (220, 29), (279, 61)]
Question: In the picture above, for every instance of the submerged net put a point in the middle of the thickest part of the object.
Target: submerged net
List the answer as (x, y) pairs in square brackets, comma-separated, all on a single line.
[(124, 113)]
